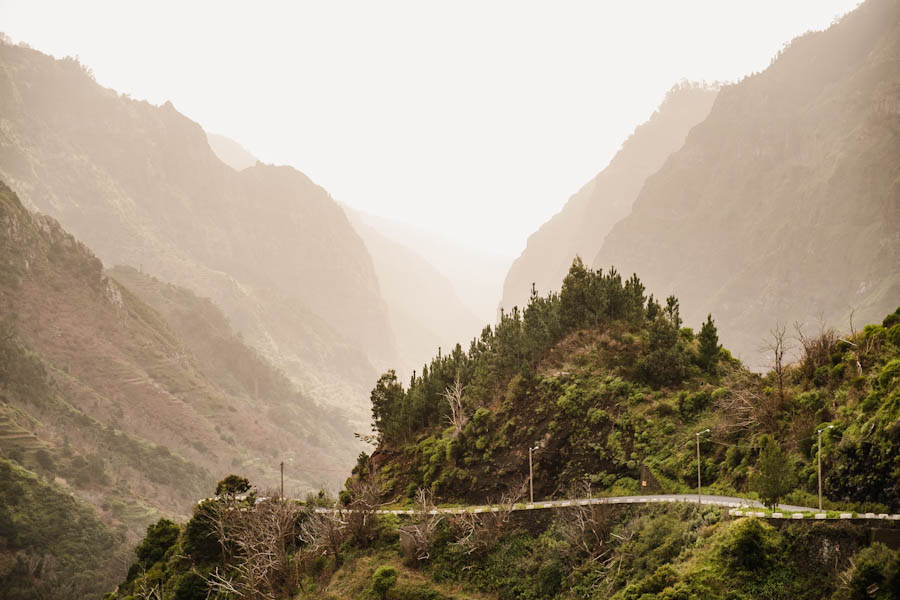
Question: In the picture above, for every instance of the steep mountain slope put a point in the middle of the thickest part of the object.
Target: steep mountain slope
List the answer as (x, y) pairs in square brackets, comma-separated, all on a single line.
[(475, 275), (425, 311), (104, 399), (582, 224), (140, 185), (230, 152), (785, 202)]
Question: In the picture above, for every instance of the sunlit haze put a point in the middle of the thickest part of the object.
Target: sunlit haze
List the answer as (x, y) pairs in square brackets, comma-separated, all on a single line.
[(476, 120)]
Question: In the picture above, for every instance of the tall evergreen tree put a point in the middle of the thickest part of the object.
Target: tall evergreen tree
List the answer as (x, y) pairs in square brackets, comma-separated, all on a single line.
[(709, 346), (388, 414)]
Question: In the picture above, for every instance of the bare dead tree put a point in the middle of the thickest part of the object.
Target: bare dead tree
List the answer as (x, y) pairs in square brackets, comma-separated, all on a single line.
[(478, 533), (743, 407), (816, 348), (777, 346), (416, 539), (365, 499), (453, 395), (862, 345), (262, 541), (323, 531), (586, 528), (855, 343)]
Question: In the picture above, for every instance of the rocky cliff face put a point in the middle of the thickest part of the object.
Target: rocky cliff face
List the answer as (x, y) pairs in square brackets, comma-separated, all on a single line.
[(140, 185), (784, 203), (580, 227)]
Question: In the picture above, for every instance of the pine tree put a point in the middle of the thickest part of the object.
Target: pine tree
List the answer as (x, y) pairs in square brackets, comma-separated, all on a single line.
[(709, 346), (388, 416)]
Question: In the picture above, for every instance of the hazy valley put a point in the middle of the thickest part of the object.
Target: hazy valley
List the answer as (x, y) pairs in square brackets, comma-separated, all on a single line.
[(218, 381)]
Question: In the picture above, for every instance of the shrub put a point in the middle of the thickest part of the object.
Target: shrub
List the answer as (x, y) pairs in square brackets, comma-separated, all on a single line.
[(820, 377), (199, 536), (232, 485), (160, 537), (384, 578), (875, 566), (665, 576), (191, 586), (893, 335), (750, 545)]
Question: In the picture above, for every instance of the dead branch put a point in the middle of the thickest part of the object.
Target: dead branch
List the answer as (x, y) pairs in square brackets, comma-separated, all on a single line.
[(416, 539), (816, 348), (458, 418), (587, 527), (478, 533), (260, 541)]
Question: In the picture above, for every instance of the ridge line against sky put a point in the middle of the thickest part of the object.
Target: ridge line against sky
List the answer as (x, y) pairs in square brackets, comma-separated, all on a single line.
[(476, 120)]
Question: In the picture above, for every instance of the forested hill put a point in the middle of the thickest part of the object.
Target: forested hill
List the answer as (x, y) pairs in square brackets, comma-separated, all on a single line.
[(140, 185), (582, 224), (611, 386), (610, 389), (783, 205)]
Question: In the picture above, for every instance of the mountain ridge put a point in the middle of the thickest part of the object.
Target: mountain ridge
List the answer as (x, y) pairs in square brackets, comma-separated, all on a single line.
[(141, 186), (786, 193), (583, 222)]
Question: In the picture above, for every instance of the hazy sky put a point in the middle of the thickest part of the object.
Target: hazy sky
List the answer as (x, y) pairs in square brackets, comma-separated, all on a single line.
[(475, 119)]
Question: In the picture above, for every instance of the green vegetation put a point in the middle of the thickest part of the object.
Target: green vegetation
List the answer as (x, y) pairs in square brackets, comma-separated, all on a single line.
[(384, 578), (612, 388), (773, 478), (51, 546)]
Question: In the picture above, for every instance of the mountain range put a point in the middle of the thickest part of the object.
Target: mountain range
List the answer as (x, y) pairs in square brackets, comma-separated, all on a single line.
[(581, 226), (772, 203), (140, 185)]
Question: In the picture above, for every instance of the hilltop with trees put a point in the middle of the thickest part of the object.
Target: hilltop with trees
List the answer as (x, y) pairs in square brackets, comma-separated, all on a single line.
[(610, 387)]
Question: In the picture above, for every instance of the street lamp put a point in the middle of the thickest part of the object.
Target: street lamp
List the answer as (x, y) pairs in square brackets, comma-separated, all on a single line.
[(819, 432), (282, 476), (531, 475), (699, 433)]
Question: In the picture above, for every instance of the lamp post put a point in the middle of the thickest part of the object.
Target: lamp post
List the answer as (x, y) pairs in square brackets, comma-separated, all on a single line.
[(531, 475), (282, 476), (819, 432), (699, 433)]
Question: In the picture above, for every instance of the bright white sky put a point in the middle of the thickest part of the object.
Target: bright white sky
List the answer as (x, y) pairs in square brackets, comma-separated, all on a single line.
[(475, 119)]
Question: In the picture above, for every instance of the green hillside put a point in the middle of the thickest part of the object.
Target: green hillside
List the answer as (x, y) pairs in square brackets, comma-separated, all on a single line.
[(51, 546), (611, 388)]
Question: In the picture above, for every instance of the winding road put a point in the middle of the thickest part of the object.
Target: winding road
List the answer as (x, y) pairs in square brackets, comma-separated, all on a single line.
[(739, 507)]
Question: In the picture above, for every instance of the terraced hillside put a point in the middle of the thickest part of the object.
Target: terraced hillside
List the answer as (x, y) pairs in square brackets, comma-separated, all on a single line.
[(105, 400)]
